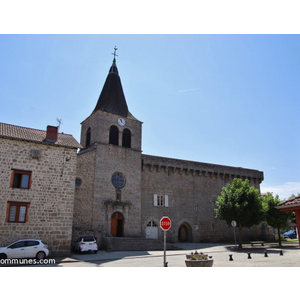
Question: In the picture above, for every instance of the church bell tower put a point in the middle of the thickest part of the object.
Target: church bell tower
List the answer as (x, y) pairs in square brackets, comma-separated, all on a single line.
[(108, 201)]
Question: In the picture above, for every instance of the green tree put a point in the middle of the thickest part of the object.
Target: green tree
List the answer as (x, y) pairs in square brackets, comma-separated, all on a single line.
[(273, 216), (240, 202)]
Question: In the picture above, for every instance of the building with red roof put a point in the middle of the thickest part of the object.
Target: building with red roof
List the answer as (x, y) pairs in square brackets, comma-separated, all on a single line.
[(292, 205)]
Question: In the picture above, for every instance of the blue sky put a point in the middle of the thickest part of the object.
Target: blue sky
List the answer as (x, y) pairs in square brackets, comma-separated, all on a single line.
[(223, 99)]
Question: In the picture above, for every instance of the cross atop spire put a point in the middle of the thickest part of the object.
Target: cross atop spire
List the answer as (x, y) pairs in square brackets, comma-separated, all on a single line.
[(114, 54), (113, 68)]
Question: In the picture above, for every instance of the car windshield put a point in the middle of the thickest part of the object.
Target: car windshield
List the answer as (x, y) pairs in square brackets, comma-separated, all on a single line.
[(88, 239)]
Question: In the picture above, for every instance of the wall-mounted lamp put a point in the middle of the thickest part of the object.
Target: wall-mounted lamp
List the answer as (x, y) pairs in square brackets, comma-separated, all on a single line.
[(68, 157)]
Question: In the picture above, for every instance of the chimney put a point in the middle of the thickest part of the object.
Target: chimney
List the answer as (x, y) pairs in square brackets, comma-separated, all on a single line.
[(51, 135)]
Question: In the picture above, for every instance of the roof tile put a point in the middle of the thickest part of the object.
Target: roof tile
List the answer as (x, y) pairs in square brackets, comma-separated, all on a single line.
[(289, 202), (35, 135)]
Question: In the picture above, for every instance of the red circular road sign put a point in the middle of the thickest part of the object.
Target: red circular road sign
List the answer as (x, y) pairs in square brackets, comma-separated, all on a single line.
[(165, 223)]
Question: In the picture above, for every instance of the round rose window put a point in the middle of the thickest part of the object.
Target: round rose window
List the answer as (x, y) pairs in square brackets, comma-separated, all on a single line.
[(118, 180)]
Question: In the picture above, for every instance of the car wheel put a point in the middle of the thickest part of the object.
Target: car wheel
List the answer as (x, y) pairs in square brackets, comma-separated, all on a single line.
[(95, 251), (3, 256), (40, 255)]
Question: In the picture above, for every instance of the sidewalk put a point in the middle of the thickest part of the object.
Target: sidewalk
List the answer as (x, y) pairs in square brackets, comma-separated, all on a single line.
[(286, 256)]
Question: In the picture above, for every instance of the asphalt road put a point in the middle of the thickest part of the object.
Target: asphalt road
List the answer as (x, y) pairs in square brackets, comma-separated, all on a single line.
[(269, 255)]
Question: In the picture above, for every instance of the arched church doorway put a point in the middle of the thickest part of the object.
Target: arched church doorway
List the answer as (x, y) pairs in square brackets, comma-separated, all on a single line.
[(117, 224), (185, 233)]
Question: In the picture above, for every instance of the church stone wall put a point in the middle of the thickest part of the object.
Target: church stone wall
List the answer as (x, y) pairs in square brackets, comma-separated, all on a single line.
[(51, 195), (192, 190), (111, 159), (100, 123), (97, 199), (84, 195)]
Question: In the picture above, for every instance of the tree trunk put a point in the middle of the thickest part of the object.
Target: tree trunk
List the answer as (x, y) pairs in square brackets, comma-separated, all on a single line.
[(240, 236), (279, 237)]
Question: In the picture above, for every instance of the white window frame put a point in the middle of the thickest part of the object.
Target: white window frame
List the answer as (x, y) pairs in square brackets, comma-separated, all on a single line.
[(161, 200)]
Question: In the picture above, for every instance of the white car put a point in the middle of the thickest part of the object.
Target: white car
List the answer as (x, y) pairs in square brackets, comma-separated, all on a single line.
[(28, 248), (86, 243)]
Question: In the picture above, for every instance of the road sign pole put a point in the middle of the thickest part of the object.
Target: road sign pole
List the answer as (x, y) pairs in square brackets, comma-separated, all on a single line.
[(233, 224), (234, 235), (165, 246)]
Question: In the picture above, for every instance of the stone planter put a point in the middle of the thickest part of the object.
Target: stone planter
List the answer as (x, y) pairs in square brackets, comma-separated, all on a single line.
[(189, 256), (199, 263)]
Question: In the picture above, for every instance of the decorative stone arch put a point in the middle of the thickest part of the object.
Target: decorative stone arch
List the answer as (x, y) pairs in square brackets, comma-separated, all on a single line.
[(185, 233)]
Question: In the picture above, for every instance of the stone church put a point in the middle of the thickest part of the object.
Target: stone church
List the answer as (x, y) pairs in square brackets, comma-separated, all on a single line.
[(121, 194)]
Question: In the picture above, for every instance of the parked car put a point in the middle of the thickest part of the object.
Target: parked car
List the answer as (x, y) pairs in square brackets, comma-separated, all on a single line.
[(290, 234), (28, 248), (86, 243)]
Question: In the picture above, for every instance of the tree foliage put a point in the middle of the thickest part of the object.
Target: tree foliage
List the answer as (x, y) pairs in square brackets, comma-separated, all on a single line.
[(240, 202), (273, 216)]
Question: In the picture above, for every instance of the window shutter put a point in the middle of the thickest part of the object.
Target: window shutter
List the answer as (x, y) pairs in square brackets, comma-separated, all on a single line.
[(166, 200), (155, 199)]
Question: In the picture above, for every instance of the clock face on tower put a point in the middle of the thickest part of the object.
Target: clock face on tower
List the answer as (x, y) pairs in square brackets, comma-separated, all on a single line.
[(121, 122)]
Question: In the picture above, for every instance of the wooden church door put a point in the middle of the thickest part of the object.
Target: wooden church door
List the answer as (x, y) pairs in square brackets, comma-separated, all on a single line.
[(183, 234), (117, 222)]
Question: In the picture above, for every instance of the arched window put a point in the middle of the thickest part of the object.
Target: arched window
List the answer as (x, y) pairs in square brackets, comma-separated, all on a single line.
[(114, 135), (126, 139), (88, 137)]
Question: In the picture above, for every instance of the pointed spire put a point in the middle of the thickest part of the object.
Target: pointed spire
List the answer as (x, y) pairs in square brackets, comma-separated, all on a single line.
[(112, 97)]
